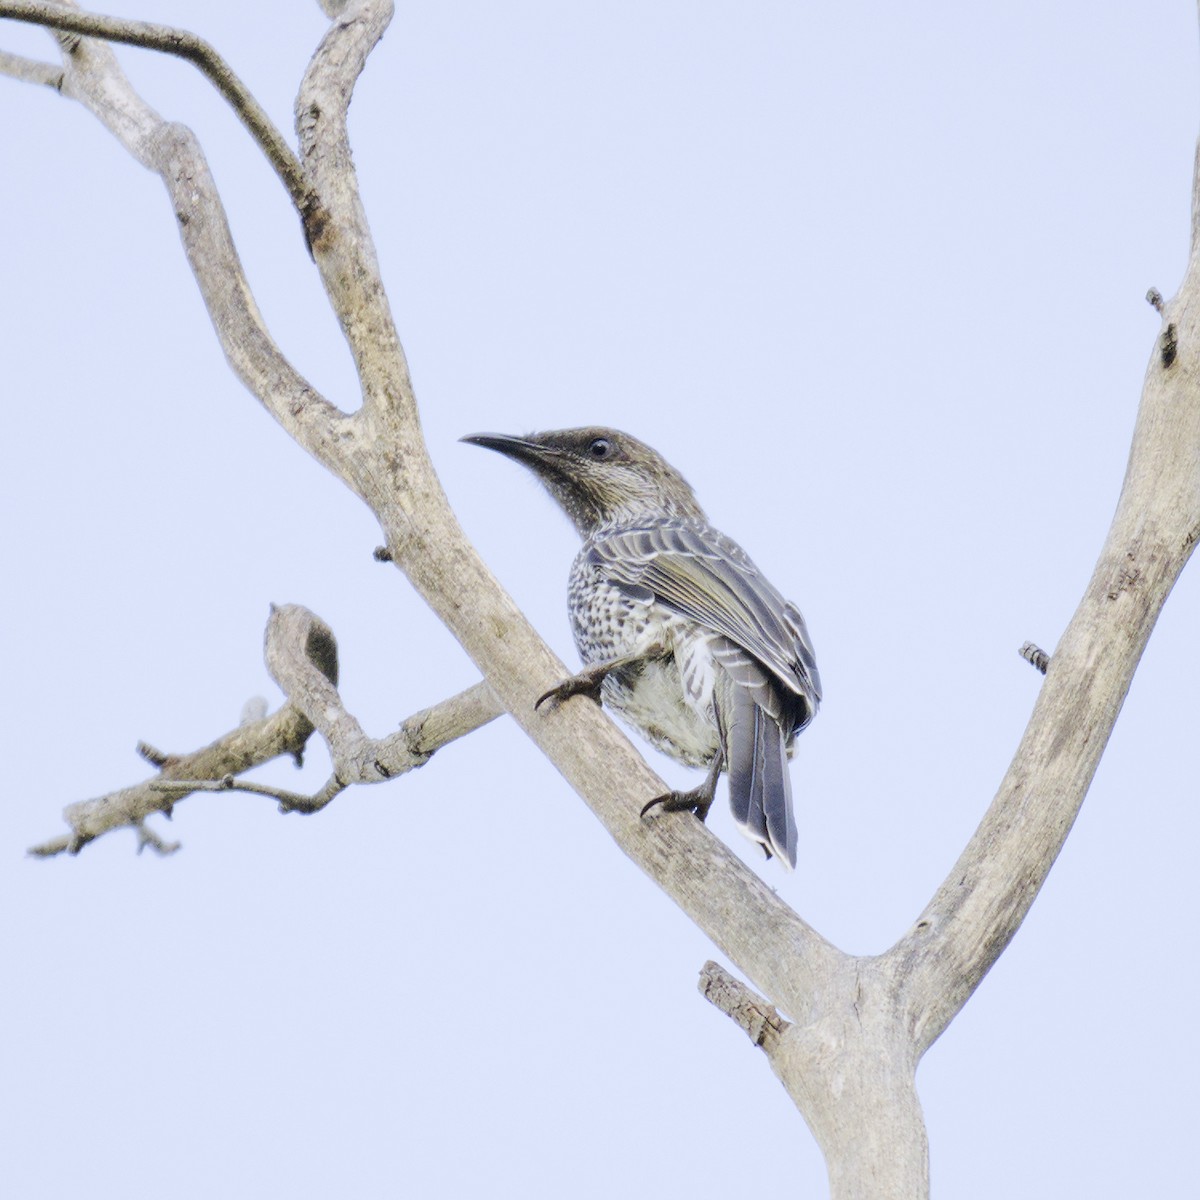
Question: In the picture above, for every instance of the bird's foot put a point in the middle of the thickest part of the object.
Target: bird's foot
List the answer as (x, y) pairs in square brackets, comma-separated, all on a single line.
[(586, 683), (698, 801)]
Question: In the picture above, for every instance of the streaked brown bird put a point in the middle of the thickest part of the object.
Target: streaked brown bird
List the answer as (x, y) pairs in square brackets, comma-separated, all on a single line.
[(679, 631)]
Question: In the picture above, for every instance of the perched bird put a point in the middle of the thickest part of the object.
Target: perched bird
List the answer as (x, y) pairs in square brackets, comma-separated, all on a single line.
[(679, 631)]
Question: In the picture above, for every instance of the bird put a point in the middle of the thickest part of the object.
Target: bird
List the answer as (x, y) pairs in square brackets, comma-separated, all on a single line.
[(680, 633)]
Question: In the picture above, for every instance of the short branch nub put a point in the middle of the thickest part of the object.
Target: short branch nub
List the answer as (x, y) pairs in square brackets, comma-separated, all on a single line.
[(1035, 656)]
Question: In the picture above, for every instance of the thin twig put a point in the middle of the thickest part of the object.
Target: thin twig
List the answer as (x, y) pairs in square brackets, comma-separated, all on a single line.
[(154, 756), (288, 801), (147, 837), (170, 150), (191, 48), (372, 760), (295, 642), (302, 655), (283, 733), (48, 849)]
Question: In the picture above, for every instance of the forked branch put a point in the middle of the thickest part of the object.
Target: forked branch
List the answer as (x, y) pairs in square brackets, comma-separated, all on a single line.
[(859, 1025), (284, 732), (301, 655), (179, 42)]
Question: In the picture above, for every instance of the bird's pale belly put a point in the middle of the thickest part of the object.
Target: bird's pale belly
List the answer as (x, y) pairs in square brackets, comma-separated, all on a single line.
[(651, 698)]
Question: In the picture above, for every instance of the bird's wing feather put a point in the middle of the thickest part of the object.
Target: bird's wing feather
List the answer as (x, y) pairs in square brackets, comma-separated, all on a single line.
[(708, 578)]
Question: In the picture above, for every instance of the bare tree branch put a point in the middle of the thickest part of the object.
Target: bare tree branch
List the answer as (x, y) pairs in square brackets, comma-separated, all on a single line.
[(93, 77), (200, 54), (344, 249), (294, 646), (29, 70), (284, 732), (301, 654), (390, 468), (148, 837), (288, 801), (986, 896)]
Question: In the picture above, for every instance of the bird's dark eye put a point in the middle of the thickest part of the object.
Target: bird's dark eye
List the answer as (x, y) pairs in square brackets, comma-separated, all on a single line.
[(600, 447)]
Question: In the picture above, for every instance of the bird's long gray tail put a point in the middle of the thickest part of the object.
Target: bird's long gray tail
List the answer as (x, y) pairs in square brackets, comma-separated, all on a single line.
[(760, 789)]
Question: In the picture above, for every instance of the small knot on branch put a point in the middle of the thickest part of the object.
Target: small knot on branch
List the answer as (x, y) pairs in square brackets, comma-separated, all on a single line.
[(314, 218), (321, 647), (58, 845), (413, 733), (1035, 656), (154, 756), (382, 554), (1154, 299), (1169, 345)]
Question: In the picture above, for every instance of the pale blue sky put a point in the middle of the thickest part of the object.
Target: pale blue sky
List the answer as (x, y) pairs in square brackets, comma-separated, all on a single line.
[(872, 277)]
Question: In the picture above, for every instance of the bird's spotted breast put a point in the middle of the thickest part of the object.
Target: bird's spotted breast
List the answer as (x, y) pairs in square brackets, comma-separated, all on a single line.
[(663, 695)]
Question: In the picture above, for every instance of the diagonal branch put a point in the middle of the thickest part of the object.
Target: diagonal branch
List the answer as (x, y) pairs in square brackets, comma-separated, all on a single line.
[(242, 749), (302, 656), (343, 248), (979, 907), (392, 472), (29, 70), (191, 48), (299, 647), (94, 78), (288, 801), (381, 455)]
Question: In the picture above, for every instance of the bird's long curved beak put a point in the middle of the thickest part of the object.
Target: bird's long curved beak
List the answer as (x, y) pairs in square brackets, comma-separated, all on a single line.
[(513, 447)]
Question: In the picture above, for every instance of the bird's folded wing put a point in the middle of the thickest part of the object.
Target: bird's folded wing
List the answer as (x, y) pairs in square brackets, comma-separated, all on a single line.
[(708, 578)]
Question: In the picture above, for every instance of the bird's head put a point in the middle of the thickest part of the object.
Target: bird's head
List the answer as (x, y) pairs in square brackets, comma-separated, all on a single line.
[(601, 477)]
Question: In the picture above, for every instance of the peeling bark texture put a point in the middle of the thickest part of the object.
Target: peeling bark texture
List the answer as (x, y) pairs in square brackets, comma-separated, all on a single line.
[(855, 1027)]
